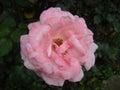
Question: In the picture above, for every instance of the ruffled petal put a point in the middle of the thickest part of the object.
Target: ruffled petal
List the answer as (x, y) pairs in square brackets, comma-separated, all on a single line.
[(53, 15), (53, 80)]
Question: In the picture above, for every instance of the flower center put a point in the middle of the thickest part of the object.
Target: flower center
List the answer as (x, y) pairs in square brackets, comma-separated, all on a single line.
[(56, 44), (58, 41)]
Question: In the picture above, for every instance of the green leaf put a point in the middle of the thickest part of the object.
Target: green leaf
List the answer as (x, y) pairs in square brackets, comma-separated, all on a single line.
[(97, 20), (113, 52), (95, 69), (110, 17), (16, 35), (116, 27), (108, 51), (9, 22), (22, 26), (4, 31), (5, 46)]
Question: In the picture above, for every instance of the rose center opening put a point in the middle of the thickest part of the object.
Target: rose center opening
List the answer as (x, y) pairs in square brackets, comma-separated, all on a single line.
[(58, 41)]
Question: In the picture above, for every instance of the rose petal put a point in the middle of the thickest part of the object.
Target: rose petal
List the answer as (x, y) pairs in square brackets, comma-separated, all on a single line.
[(52, 80), (57, 47), (48, 17), (36, 35)]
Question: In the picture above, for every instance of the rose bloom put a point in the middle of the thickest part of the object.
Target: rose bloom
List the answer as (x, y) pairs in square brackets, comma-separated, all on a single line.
[(57, 47)]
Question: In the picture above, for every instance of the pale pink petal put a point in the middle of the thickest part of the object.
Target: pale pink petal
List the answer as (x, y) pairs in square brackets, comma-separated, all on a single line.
[(47, 67), (36, 35), (53, 15), (25, 52), (89, 59), (76, 44), (24, 41), (34, 25), (53, 80), (57, 47), (93, 47), (29, 65), (78, 76), (63, 48), (57, 60), (80, 28), (49, 50)]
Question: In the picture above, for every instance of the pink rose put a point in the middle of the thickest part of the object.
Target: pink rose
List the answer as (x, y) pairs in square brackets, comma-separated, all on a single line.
[(58, 46)]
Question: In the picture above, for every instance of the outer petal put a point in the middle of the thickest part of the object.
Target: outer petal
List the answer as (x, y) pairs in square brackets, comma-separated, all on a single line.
[(78, 76), (37, 34), (53, 15), (80, 28), (25, 53), (52, 79), (89, 59), (93, 47), (24, 41)]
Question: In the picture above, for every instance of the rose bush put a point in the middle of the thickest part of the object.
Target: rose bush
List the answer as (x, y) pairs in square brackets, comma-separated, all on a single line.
[(58, 46)]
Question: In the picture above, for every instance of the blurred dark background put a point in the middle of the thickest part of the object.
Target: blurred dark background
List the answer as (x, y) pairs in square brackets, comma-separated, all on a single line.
[(102, 17)]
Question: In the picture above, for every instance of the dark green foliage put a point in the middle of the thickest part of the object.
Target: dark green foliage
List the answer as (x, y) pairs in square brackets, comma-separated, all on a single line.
[(5, 46), (102, 17), (9, 22), (97, 20), (15, 36), (4, 31)]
